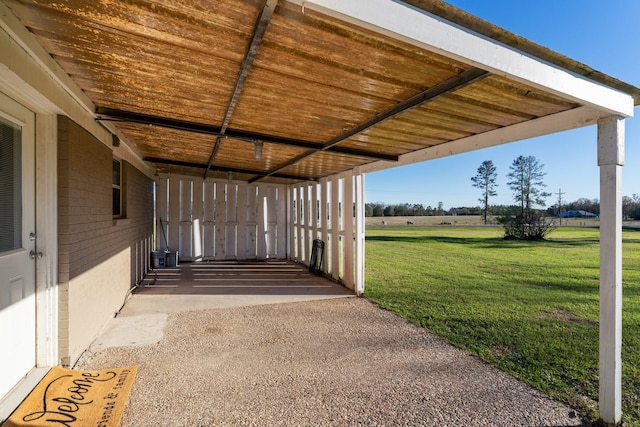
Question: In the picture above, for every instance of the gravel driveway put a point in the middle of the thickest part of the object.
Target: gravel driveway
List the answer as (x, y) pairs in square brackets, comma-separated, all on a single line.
[(337, 362)]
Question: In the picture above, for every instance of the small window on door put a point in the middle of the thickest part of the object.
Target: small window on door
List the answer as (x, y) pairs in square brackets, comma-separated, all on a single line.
[(10, 186), (117, 188)]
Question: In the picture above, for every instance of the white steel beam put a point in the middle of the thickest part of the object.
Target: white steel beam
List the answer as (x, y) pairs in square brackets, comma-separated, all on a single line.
[(610, 160), (571, 119), (425, 30)]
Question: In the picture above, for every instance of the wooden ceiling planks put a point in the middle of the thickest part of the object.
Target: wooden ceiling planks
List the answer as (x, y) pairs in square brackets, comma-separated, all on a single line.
[(240, 154), (139, 47), (154, 141), (313, 78), (317, 165), (330, 76)]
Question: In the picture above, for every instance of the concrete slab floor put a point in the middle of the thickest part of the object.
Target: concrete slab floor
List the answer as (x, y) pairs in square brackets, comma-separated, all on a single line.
[(209, 285)]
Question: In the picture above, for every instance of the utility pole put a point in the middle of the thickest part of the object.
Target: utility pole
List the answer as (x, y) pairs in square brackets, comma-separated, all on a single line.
[(560, 193)]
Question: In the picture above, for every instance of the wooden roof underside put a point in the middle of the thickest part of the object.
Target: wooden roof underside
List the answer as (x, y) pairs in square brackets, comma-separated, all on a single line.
[(194, 87)]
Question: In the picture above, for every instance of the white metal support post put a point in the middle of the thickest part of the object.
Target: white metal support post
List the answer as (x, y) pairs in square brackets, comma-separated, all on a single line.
[(313, 222), (348, 224), (305, 203), (335, 227), (323, 224), (610, 161), (300, 223), (360, 237), (290, 223)]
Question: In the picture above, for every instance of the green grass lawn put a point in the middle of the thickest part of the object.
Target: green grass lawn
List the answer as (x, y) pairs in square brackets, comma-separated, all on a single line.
[(529, 308)]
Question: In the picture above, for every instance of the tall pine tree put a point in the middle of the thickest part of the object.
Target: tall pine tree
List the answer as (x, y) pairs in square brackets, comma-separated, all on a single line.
[(526, 182), (485, 180)]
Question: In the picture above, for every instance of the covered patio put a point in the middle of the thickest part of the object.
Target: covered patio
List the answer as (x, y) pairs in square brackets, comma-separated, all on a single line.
[(330, 362), (257, 122)]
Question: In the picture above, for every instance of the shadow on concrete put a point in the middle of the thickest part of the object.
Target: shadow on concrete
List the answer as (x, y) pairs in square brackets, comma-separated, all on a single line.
[(205, 285)]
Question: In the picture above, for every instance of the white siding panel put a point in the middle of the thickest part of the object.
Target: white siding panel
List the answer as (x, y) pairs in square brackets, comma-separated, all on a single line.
[(185, 230), (262, 222), (242, 221), (281, 218), (220, 220), (231, 221), (208, 221), (197, 218), (272, 222), (173, 228), (252, 222), (162, 213)]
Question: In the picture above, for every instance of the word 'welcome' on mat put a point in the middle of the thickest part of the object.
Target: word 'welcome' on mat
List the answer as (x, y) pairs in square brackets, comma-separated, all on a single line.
[(66, 397)]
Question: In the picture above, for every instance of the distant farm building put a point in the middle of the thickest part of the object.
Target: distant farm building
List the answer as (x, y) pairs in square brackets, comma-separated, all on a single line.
[(578, 214)]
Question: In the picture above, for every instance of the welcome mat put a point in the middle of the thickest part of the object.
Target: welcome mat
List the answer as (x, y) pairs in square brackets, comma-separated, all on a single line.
[(66, 397)]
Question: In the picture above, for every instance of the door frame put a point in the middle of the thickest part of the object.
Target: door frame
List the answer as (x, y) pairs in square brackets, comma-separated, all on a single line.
[(46, 201), (46, 307), (46, 268)]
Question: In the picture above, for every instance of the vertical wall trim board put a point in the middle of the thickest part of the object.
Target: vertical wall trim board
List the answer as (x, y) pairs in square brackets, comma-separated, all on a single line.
[(281, 218), (162, 213), (220, 215), (198, 220)]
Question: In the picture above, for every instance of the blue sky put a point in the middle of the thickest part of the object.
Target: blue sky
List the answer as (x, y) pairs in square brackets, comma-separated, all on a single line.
[(603, 35)]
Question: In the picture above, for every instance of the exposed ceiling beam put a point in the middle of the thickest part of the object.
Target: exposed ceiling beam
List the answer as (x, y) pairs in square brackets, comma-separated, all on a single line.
[(266, 12), (450, 85), (558, 122), (112, 114), (454, 83), (171, 162)]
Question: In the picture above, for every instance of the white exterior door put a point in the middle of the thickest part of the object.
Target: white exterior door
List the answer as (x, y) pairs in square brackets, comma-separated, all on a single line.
[(17, 243)]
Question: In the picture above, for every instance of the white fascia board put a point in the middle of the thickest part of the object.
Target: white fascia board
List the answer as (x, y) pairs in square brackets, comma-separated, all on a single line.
[(425, 30), (566, 120)]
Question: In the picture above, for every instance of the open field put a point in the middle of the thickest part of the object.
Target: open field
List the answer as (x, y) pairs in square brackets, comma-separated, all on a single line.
[(530, 308), (469, 220)]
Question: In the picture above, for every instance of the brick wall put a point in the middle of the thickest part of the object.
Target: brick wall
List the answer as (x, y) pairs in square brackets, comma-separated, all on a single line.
[(100, 258)]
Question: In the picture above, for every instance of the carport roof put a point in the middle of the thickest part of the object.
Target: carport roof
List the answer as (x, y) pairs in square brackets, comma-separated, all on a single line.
[(285, 91)]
